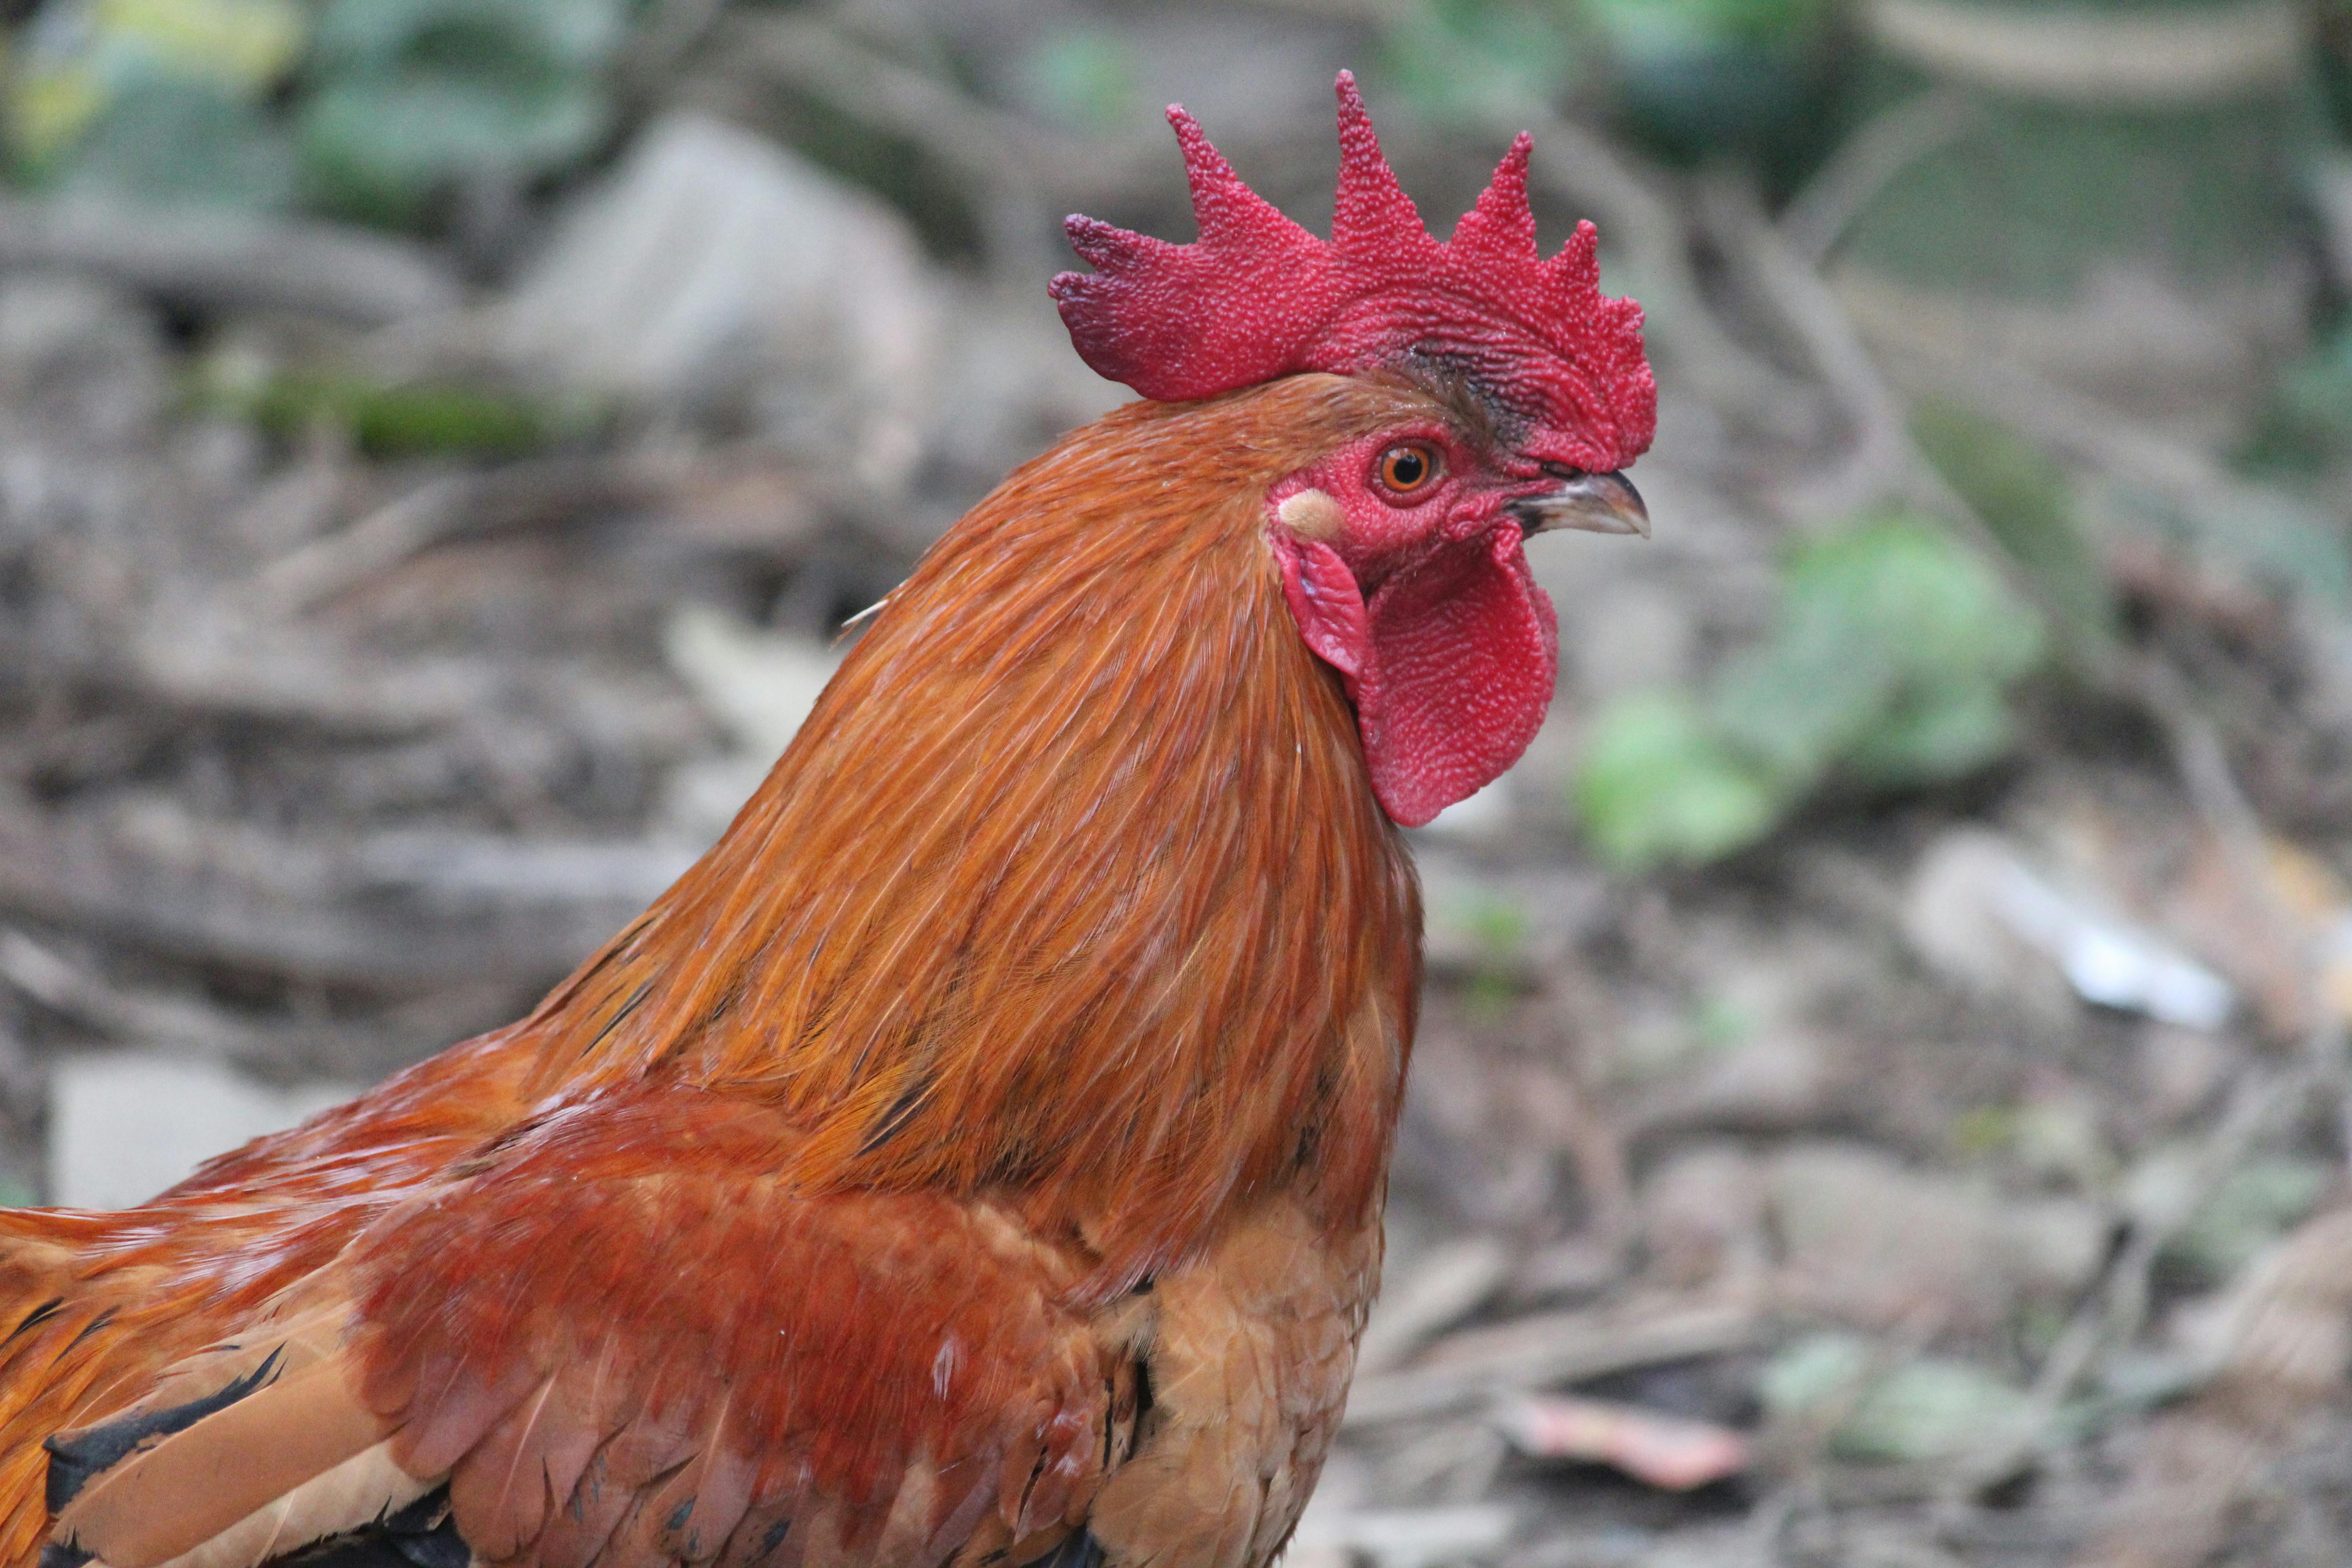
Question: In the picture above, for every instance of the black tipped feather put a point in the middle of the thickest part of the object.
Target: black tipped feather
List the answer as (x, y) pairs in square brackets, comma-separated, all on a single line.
[(421, 1535), (76, 1456), (1080, 1551), (37, 1317)]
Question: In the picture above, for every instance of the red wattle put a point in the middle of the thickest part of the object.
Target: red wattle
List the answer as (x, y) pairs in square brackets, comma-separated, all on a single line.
[(1451, 665)]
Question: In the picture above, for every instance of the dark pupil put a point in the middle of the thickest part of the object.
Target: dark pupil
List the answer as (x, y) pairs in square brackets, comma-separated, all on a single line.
[(1405, 468)]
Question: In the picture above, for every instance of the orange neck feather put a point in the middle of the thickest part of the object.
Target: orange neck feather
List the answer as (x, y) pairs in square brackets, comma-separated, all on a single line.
[(1073, 888)]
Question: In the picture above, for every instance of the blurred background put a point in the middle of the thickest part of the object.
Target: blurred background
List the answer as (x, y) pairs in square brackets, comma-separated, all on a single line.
[(1884, 1095)]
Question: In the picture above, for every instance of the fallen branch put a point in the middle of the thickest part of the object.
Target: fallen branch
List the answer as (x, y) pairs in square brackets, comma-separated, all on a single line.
[(1469, 1369), (395, 910), (217, 260), (1865, 164)]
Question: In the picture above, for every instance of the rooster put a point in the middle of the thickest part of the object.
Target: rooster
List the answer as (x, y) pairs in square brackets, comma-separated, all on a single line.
[(978, 1157)]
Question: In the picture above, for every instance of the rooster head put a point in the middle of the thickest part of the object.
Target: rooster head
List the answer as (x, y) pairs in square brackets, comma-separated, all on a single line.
[(1401, 552)]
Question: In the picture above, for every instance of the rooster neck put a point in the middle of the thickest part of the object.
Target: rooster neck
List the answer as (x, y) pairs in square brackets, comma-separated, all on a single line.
[(1073, 889)]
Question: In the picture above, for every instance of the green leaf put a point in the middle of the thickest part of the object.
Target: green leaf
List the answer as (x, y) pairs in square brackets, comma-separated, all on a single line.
[(1933, 737), (246, 46), (2248, 1211), (2308, 423), (417, 96), (161, 102), (382, 148), (1917, 597), (398, 420), (1798, 700), (1888, 660), (1930, 1409), (2022, 494), (502, 40), (1086, 77), (1456, 59), (1657, 786), (1888, 654), (168, 141), (1647, 26)]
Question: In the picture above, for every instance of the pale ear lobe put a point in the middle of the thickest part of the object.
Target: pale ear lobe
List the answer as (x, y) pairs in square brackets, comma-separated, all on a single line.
[(1312, 514)]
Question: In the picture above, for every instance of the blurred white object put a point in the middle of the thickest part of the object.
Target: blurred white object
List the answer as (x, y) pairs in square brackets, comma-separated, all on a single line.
[(1972, 884), (715, 263), (759, 687), (1484, 814), (1402, 1537), (2107, 962), (124, 1127)]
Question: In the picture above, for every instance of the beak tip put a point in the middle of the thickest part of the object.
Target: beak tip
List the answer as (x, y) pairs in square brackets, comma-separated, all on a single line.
[(1591, 502)]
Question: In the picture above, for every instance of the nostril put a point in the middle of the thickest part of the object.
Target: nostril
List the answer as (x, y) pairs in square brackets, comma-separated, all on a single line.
[(1566, 473)]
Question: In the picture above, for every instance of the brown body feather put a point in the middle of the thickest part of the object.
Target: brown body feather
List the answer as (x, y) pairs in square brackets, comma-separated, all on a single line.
[(1032, 1041)]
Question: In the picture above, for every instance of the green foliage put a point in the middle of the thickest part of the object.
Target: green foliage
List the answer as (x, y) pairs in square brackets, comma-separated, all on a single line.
[(1656, 24), (1693, 80), (156, 100), (413, 96), (166, 139), (2022, 496), (391, 420), (1465, 60), (2251, 1208), (2308, 425), (1085, 77), (1887, 663), (1658, 785), (393, 103), (1928, 1408)]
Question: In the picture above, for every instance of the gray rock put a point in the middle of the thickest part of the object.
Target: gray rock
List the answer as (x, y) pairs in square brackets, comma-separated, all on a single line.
[(716, 268), (1869, 1241), (124, 1127)]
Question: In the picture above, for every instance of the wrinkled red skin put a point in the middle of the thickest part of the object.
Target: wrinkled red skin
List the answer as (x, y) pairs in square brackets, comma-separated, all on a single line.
[(1426, 606), (1257, 297)]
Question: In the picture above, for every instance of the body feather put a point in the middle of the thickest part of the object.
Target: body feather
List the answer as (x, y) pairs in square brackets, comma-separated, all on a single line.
[(1031, 1040)]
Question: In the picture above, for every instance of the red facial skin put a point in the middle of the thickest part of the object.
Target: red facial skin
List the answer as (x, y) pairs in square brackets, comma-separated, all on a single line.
[(1421, 602), (1424, 603)]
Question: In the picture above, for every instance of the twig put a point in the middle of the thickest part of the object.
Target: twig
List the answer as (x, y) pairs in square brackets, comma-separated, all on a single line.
[(218, 260), (1813, 223), (2204, 766), (1883, 458), (1437, 1292), (135, 1015), (2114, 1315), (2076, 425), (385, 537), (547, 493), (393, 909), (1001, 157), (1463, 1372)]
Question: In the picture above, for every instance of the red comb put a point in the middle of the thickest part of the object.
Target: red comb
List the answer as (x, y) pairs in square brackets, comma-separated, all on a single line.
[(1258, 296)]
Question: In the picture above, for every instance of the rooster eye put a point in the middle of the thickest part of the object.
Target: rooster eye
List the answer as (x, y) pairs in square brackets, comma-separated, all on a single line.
[(1407, 468)]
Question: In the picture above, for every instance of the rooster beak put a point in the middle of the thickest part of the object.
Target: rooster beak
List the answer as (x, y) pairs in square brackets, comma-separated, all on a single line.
[(1597, 503)]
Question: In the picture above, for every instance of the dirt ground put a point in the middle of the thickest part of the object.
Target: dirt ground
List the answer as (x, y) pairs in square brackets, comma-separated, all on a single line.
[(1950, 1170)]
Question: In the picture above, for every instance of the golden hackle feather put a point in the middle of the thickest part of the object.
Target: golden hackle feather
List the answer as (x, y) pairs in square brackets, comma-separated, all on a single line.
[(1072, 883)]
